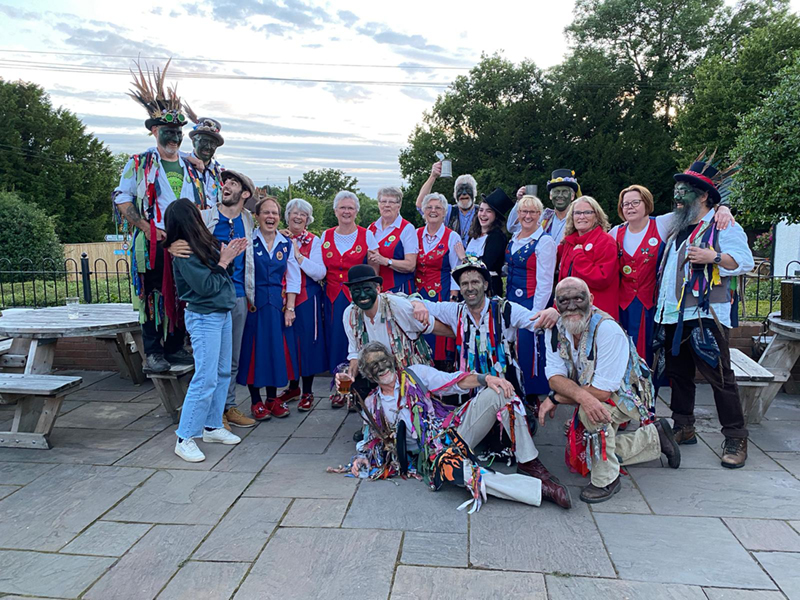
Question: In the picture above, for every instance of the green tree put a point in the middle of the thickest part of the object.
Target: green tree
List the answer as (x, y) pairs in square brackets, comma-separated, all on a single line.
[(27, 237), (767, 188), (52, 162), (325, 183), (728, 88)]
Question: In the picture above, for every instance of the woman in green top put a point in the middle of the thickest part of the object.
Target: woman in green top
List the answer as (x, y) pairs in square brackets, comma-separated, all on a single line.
[(204, 284)]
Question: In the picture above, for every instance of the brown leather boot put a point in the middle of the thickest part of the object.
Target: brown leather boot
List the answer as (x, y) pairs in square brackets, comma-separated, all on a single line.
[(669, 447), (684, 434), (734, 452), (556, 493), (592, 494), (535, 468)]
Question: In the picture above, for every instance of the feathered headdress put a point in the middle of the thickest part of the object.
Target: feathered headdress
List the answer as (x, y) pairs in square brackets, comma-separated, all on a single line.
[(162, 104), (205, 125), (706, 175)]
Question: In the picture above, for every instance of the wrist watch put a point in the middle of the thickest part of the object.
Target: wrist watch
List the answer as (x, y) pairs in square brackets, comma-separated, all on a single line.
[(390, 262), (552, 396), (717, 258)]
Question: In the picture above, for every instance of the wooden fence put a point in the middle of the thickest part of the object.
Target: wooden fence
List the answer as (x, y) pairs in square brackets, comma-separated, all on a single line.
[(110, 252)]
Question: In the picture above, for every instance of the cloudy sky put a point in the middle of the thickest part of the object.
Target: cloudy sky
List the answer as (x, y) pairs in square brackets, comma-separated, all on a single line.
[(297, 84)]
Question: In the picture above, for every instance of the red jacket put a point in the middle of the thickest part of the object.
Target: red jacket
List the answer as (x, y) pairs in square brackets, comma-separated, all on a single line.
[(593, 257)]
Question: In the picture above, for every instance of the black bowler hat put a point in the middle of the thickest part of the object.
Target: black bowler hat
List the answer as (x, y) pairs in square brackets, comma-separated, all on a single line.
[(361, 274), (500, 202)]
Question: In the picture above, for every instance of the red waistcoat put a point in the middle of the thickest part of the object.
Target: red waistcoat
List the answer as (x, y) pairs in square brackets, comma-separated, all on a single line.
[(638, 273), (433, 268), (392, 247), (338, 264)]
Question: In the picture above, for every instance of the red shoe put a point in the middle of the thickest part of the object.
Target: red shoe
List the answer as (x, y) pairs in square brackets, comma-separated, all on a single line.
[(338, 401), (306, 402), (260, 412), (278, 408), (288, 395)]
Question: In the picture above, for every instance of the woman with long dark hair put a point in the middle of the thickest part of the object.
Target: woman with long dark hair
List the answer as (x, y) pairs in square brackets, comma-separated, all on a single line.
[(202, 281), (487, 236)]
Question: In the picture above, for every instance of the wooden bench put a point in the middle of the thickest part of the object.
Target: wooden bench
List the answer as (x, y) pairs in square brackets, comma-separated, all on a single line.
[(750, 377), (124, 351), (171, 386), (38, 398)]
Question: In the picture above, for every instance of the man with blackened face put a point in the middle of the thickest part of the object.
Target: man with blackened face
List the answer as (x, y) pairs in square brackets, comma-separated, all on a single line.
[(206, 138), (592, 365), (465, 192)]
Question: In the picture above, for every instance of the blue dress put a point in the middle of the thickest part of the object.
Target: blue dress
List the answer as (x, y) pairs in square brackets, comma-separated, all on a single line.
[(269, 353)]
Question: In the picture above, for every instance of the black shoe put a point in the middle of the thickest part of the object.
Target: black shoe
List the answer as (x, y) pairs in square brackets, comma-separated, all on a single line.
[(181, 357), (669, 447), (592, 494), (155, 363)]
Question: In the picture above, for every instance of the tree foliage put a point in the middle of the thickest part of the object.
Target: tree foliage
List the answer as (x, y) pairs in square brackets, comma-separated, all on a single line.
[(768, 184), (27, 236), (52, 162), (326, 183)]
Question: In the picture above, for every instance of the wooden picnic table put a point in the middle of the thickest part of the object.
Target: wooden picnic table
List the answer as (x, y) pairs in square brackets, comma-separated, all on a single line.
[(36, 331), (778, 358)]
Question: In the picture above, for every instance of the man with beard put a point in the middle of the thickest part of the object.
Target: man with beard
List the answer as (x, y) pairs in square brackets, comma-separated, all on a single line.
[(593, 364), (228, 220), (206, 138), (465, 190), (150, 182), (694, 307), (385, 318), (405, 419)]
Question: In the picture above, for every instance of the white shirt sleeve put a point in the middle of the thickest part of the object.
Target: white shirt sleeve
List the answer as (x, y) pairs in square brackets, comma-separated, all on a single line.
[(127, 184), (613, 232), (521, 317), (352, 349), (733, 241), (410, 240), (372, 243), (546, 251), (293, 279), (553, 364), (313, 266), (439, 380), (512, 224), (446, 312), (404, 315), (663, 224), (612, 356), (454, 260)]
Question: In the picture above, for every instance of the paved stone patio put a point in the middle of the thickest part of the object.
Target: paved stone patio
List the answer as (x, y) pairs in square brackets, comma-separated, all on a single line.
[(110, 513)]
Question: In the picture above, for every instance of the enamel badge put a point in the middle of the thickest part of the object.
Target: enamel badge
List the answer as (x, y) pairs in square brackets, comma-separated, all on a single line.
[(627, 269), (653, 242)]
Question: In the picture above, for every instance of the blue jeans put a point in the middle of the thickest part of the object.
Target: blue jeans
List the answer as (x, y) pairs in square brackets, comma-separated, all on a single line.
[(205, 398)]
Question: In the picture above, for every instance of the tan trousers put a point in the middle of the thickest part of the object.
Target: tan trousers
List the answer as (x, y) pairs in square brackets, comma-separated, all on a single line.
[(622, 449), (479, 417)]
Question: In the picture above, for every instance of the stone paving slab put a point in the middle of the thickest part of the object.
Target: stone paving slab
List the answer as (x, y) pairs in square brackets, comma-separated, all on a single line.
[(435, 549), (698, 456), (42, 574), (763, 534), (315, 512), (320, 424), (82, 446), (628, 500), (549, 529), (89, 377), (729, 594), (408, 506), (721, 493), (796, 525), (301, 476), (7, 490), (159, 453), (757, 460), (250, 455), (106, 415), (703, 551), (788, 460), (242, 533), (115, 383), (346, 564), (20, 473), (205, 581), (784, 408), (92, 395), (282, 427), (187, 497), (581, 588), (784, 568), (156, 420), (305, 445), (412, 583), (106, 538), (68, 406), (777, 436), (49, 512), (146, 568)]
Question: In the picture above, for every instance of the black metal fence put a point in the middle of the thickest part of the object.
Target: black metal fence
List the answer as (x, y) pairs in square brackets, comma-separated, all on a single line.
[(50, 283), (762, 291)]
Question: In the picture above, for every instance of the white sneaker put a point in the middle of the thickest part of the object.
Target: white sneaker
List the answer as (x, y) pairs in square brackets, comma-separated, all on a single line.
[(188, 451), (220, 436)]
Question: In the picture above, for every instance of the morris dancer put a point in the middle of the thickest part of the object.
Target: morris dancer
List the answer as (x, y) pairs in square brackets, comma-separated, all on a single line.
[(395, 259), (460, 216), (404, 419), (206, 138)]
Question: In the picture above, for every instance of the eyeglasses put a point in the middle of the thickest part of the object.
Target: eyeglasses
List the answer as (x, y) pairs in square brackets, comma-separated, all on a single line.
[(681, 192), (388, 201), (582, 213), (631, 203), (523, 213)]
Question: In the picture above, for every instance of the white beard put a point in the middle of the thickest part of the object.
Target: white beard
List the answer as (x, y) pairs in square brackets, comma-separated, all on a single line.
[(387, 378), (577, 327)]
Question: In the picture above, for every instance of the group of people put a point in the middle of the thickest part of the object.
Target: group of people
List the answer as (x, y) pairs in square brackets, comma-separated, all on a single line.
[(438, 332)]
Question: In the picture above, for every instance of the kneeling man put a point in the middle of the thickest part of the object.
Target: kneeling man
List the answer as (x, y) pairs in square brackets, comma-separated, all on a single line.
[(405, 419), (593, 364)]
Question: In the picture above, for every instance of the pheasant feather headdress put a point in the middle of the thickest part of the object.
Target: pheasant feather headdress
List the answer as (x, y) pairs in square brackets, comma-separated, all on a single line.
[(707, 175), (161, 103)]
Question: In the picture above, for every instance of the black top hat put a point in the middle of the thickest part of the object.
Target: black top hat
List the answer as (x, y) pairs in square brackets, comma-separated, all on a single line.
[(701, 175), (361, 274), (564, 177), (173, 118), (244, 180), (209, 127), (500, 202), (471, 263)]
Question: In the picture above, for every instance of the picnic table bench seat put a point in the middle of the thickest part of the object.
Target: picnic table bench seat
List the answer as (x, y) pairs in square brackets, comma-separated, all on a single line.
[(750, 377), (171, 386), (38, 399)]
